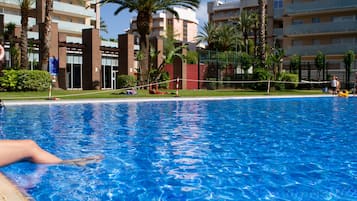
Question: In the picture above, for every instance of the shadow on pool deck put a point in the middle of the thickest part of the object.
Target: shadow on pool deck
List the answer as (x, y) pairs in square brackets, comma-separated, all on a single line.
[(9, 191)]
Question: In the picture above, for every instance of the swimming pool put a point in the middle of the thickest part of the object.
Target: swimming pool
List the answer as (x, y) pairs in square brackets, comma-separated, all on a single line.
[(256, 149)]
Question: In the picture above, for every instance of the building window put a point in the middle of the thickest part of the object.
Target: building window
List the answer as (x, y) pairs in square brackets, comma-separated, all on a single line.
[(185, 31), (297, 22), (296, 43), (315, 20), (316, 42), (342, 18), (278, 3)]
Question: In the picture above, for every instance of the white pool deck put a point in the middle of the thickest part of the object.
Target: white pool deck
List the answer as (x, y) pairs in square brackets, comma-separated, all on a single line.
[(9, 191), (132, 99)]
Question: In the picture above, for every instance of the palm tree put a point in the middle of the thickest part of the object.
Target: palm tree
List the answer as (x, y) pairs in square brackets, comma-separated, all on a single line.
[(320, 61), (103, 26), (227, 39), (245, 25), (208, 35), (262, 25), (255, 25), (25, 6), (348, 59), (45, 51), (145, 9), (14, 52)]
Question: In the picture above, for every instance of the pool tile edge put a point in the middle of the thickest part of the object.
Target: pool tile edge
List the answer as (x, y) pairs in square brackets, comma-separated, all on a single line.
[(9, 191)]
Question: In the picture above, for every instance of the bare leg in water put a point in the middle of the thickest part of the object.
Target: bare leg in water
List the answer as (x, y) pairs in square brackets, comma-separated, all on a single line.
[(12, 151)]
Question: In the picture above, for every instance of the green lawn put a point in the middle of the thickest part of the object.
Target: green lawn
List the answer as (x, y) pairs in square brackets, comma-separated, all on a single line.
[(90, 94)]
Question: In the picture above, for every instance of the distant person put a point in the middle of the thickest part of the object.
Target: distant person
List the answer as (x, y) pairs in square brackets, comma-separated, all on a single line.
[(2, 53), (12, 151), (131, 91), (334, 85), (338, 85)]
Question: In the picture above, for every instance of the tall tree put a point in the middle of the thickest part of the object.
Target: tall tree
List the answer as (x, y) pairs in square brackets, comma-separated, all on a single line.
[(320, 62), (14, 51), (348, 59), (262, 25), (208, 35), (103, 26), (45, 51), (145, 9), (245, 25), (228, 38), (25, 6)]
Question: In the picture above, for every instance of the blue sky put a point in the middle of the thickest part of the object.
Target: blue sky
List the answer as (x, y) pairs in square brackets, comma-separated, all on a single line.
[(117, 24)]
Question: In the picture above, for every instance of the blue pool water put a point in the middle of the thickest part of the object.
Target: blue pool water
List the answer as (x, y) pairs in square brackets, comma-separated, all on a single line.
[(256, 149)]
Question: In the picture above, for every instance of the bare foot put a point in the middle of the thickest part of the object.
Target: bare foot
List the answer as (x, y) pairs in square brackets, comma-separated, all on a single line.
[(83, 161)]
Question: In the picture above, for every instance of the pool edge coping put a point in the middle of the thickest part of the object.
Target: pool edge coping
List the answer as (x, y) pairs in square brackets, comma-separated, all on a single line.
[(128, 100), (10, 192)]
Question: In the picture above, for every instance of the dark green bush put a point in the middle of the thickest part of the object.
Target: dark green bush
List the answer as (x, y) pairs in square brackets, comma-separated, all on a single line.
[(25, 80), (287, 77), (261, 74), (9, 80), (126, 81)]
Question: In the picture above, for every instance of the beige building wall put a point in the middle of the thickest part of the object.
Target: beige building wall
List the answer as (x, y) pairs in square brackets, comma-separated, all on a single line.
[(328, 26), (185, 28)]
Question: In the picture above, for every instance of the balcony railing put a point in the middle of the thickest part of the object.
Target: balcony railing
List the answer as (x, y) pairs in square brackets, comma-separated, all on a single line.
[(71, 27), (319, 5), (326, 49), (278, 32), (16, 19), (316, 28), (73, 9)]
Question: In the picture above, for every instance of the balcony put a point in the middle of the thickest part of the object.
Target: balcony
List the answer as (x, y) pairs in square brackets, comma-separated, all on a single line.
[(319, 6), (278, 33), (73, 10), (306, 50), (71, 27), (321, 28), (16, 19)]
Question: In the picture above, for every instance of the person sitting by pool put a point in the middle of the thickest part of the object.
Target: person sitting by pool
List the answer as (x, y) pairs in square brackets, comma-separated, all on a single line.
[(155, 90), (12, 151), (131, 91)]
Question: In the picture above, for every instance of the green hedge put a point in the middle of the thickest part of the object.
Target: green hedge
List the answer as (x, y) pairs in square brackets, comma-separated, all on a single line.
[(25, 80), (287, 77), (126, 81)]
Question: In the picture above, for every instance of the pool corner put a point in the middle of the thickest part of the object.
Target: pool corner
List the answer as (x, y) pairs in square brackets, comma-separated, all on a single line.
[(9, 191)]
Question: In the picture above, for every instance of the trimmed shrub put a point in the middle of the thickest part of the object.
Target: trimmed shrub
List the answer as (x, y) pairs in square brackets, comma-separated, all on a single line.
[(9, 80), (36, 80), (25, 80), (261, 74), (287, 77), (126, 81)]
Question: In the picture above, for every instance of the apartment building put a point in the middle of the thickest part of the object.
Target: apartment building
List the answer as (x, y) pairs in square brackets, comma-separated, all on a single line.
[(302, 27), (69, 18), (185, 28), (329, 26), (220, 11)]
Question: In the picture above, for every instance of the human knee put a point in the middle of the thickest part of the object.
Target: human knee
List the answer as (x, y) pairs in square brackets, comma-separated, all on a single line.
[(30, 144)]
